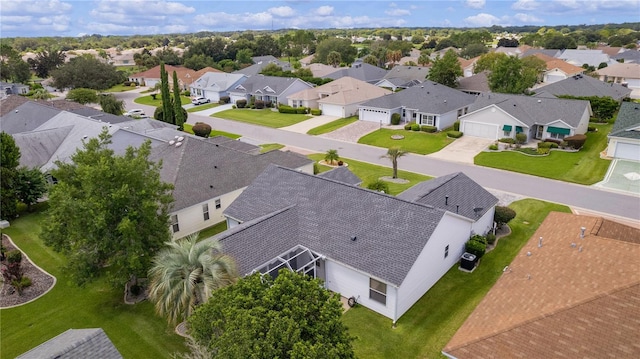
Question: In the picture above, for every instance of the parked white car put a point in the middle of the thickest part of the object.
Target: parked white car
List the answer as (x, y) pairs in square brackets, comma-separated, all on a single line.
[(135, 113), (200, 100)]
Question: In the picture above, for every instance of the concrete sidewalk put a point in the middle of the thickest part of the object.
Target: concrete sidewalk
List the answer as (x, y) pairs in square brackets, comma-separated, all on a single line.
[(305, 126)]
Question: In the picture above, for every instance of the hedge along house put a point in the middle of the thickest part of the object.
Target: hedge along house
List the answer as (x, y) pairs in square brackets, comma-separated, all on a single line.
[(209, 174), (382, 250), (214, 85), (494, 116), (429, 103), (268, 88)]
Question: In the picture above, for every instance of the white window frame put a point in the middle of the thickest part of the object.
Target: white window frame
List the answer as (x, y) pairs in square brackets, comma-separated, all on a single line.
[(377, 294), (205, 211), (218, 203), (446, 251), (175, 225)]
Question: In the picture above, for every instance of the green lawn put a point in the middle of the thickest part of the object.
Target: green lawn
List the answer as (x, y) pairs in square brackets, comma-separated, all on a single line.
[(213, 230), (135, 330), (583, 167), (264, 117), (206, 106), (332, 126), (148, 100), (120, 88), (369, 172), (428, 326), (266, 147), (189, 128), (414, 141)]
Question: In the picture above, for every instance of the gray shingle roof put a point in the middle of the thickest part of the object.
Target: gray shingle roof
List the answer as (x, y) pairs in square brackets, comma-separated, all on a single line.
[(37, 147), (629, 56), (476, 83), (534, 110), (408, 73), (27, 117), (548, 52), (283, 208), (261, 82), (235, 144), (580, 57), (99, 115), (75, 344), (428, 97), (342, 174), (217, 81), (361, 71), (260, 62), (627, 123), (465, 196), (201, 170), (586, 86)]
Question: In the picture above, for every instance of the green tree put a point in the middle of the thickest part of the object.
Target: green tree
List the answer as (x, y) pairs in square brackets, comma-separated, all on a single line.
[(9, 161), (30, 186), (393, 154), (371, 60), (178, 114), (342, 46), (108, 214), (82, 95), (503, 215), (446, 70), (110, 104), (41, 94), (243, 56), (167, 106), (13, 68), (185, 274), (47, 61), (334, 58), (86, 72), (424, 60), (487, 62), (511, 75), (473, 50), (331, 156), (292, 316), (379, 186)]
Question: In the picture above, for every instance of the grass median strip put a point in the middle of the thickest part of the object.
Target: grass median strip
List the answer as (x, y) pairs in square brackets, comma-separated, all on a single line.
[(265, 117), (332, 126), (414, 141)]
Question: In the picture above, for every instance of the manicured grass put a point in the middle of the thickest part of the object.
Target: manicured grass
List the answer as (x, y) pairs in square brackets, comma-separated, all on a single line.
[(264, 117), (206, 106), (213, 230), (332, 126), (266, 147), (148, 100), (427, 327), (583, 167), (135, 330), (189, 128), (120, 88), (414, 141), (369, 173)]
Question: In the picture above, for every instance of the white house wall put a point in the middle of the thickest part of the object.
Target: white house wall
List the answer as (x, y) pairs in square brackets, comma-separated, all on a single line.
[(446, 120), (295, 87), (493, 116), (431, 264), (351, 283), (485, 223), (191, 219)]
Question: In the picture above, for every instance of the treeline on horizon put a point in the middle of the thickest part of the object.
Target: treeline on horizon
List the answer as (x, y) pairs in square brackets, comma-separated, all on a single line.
[(96, 41)]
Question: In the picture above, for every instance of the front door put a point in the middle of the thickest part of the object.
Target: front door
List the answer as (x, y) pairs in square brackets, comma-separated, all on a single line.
[(539, 132)]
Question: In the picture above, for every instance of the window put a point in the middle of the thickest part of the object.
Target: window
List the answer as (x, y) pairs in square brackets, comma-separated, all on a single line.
[(174, 223), (446, 251), (378, 291), (205, 211), (558, 136), (218, 205), (428, 120)]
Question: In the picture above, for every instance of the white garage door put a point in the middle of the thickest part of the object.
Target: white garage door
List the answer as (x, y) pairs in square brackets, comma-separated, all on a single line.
[(477, 129), (332, 110), (375, 116), (554, 78), (628, 151)]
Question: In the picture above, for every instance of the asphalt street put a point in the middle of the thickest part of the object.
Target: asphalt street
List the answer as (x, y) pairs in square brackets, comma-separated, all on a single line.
[(589, 199)]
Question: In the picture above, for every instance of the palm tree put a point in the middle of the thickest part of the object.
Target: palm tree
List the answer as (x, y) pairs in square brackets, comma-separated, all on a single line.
[(393, 154), (331, 156), (185, 275)]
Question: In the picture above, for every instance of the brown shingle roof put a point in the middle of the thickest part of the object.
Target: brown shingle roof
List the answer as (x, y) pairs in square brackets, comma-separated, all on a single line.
[(561, 301), (553, 63)]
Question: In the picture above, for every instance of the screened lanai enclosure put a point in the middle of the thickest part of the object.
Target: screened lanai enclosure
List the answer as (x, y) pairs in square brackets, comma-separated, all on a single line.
[(298, 259)]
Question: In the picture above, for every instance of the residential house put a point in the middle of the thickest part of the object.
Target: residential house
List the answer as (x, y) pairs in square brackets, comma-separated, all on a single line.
[(476, 84), (513, 51), (627, 75), (208, 175), (610, 50), (342, 174), (571, 292), (628, 56), (557, 69), (430, 103), (322, 70), (548, 52), (339, 98), (468, 66), (268, 88), (440, 53), (307, 60), (585, 86), (589, 57), (186, 76), (214, 85), (624, 138), (384, 251), (13, 89), (260, 62), (402, 77), (75, 343), (361, 71), (494, 116), (413, 57)]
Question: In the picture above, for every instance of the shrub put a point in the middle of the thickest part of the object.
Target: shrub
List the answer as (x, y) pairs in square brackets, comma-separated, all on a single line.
[(427, 128), (503, 215), (186, 93), (415, 127), (395, 119), (507, 140), (286, 109), (268, 104), (301, 110), (545, 144), (543, 151), (128, 83), (201, 129), (241, 103), (316, 168), (456, 126), (591, 129), (14, 256), (379, 186), (259, 104), (521, 138), (576, 141), (493, 147), (553, 140), (454, 134), (476, 247), (21, 283), (491, 238), (316, 111), (340, 163), (408, 126), (234, 107)]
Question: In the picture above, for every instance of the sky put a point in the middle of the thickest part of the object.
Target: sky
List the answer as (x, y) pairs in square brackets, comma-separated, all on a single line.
[(32, 18)]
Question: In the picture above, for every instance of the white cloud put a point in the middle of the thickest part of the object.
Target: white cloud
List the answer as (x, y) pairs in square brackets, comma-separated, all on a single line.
[(525, 5), (17, 19), (236, 21), (527, 19), (398, 12), (282, 11), (35, 7), (482, 19), (325, 10), (141, 7), (475, 4)]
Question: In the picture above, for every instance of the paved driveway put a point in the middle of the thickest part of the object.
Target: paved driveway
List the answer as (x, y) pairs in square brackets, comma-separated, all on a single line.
[(305, 126), (463, 149), (353, 131), (623, 176)]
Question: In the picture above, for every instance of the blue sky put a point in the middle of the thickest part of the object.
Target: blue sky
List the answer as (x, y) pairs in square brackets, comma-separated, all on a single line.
[(28, 18)]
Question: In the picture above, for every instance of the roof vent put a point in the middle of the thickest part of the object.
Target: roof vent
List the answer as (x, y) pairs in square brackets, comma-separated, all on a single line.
[(180, 139), (539, 101), (172, 142), (210, 186), (178, 144), (85, 137), (446, 200), (457, 208), (215, 166), (514, 105), (445, 101), (353, 238), (176, 137)]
